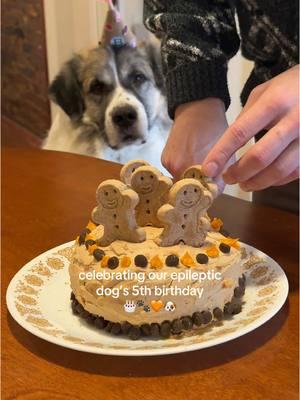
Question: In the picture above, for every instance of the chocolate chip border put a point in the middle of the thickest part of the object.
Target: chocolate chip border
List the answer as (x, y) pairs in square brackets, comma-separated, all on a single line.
[(98, 253), (166, 328)]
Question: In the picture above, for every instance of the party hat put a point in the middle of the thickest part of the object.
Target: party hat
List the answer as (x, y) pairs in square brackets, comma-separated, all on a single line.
[(115, 32)]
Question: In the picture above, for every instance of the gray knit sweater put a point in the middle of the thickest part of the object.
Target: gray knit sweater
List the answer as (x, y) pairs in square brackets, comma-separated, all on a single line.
[(200, 36)]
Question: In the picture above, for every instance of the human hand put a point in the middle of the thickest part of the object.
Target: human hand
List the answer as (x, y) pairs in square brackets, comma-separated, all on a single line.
[(197, 127), (274, 159)]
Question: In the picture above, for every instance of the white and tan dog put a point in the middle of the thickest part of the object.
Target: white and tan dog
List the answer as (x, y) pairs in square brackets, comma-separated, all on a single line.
[(112, 105)]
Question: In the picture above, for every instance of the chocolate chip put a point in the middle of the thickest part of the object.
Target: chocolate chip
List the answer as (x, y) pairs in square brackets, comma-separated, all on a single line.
[(113, 262), (140, 261), (197, 318), (84, 314), (100, 323), (154, 329), (89, 242), (176, 326), (74, 307), (202, 258), (82, 236), (165, 329), (225, 248), (146, 330), (187, 323), (218, 313), (239, 292), (79, 308), (116, 328), (236, 308), (134, 333), (90, 319), (98, 254), (172, 260), (206, 316), (72, 296), (148, 211), (109, 326), (228, 308), (125, 327)]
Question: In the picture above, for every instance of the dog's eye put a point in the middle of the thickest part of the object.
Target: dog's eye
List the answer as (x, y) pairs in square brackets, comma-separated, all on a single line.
[(98, 87), (138, 78)]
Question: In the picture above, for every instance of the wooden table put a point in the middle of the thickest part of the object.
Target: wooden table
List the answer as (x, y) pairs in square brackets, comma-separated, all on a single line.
[(47, 198)]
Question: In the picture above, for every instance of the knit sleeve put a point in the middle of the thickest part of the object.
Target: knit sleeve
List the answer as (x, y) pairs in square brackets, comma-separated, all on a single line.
[(198, 39)]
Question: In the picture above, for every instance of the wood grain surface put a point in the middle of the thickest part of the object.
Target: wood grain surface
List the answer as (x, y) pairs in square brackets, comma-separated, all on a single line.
[(46, 200)]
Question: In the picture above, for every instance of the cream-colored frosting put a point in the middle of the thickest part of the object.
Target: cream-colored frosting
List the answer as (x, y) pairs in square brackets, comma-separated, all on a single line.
[(215, 292)]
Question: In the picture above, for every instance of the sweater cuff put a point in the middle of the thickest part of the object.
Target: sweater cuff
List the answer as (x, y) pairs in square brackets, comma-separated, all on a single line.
[(196, 82)]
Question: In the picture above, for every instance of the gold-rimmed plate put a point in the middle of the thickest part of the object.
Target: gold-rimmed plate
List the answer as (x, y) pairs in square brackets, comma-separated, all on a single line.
[(38, 298)]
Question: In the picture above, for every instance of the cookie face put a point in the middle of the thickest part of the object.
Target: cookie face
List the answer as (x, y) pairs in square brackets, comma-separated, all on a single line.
[(194, 172), (109, 197), (129, 168), (144, 180), (189, 196)]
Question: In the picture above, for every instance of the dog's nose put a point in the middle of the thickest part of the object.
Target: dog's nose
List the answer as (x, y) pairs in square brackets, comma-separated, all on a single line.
[(124, 117)]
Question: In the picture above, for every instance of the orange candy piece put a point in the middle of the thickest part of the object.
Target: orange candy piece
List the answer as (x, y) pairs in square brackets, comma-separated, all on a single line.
[(104, 261), (92, 248), (212, 252), (125, 262), (91, 226), (156, 262), (216, 224), (187, 260), (231, 242)]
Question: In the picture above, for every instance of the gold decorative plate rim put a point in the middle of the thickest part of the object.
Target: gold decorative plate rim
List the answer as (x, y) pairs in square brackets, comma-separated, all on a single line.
[(29, 283)]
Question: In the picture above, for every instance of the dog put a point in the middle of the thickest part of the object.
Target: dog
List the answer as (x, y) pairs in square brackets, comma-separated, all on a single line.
[(112, 105)]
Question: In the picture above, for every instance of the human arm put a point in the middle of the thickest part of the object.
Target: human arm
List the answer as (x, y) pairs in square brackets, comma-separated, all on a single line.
[(199, 37)]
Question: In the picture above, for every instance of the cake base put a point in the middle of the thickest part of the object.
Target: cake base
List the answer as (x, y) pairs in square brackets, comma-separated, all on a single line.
[(166, 328)]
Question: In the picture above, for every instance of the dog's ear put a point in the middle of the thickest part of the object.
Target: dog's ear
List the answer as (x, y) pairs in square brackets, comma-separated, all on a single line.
[(66, 89), (152, 48)]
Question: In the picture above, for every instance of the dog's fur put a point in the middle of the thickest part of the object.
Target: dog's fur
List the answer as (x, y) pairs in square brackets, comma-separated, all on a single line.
[(112, 105)]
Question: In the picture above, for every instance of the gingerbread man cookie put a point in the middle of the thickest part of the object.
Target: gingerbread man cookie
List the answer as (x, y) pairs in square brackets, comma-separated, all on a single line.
[(116, 212), (195, 172), (129, 168), (152, 188), (184, 216)]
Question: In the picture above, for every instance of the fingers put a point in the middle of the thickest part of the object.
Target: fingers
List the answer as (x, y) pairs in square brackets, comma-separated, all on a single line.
[(278, 171), (265, 151), (290, 178), (238, 134)]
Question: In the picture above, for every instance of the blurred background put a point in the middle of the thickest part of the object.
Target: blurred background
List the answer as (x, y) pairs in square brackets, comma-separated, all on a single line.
[(38, 36)]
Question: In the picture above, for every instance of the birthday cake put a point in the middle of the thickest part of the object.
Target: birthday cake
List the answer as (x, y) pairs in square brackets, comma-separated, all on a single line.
[(151, 262)]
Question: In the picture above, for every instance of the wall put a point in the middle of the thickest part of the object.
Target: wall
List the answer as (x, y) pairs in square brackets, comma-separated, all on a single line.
[(24, 65)]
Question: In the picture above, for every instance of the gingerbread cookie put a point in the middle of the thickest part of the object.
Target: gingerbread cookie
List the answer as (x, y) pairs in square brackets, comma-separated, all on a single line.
[(184, 216), (152, 188), (195, 172), (116, 212), (129, 168)]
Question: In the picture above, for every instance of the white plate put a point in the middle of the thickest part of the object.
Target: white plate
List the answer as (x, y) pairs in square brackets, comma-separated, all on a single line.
[(38, 298)]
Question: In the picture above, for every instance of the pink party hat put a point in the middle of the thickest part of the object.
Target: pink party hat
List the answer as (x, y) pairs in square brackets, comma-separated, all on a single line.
[(115, 32)]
